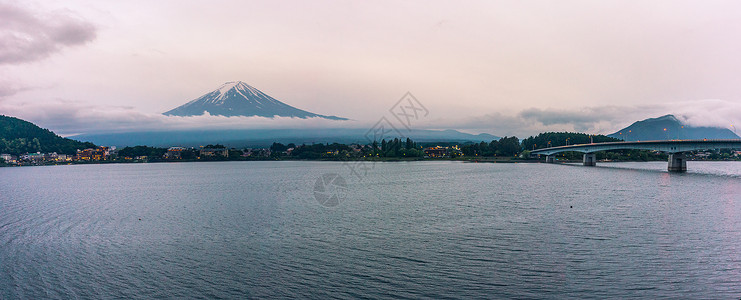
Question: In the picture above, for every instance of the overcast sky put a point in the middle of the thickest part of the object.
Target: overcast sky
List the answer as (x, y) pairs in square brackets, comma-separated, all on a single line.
[(501, 67)]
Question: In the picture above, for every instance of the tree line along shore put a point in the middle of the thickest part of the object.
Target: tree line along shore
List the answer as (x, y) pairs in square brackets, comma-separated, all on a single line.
[(506, 149)]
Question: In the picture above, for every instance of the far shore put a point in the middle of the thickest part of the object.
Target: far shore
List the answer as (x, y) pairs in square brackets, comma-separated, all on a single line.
[(505, 160)]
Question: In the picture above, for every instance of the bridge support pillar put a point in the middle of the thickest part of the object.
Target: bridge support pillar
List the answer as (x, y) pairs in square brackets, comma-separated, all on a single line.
[(550, 159), (677, 162), (590, 159)]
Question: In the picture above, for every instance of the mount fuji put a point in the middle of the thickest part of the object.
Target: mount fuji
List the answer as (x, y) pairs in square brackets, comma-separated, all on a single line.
[(237, 98)]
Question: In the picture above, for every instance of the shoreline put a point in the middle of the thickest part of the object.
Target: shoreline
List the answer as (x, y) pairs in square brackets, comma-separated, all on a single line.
[(390, 159)]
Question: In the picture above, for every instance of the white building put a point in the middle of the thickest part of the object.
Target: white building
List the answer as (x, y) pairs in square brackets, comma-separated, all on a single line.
[(8, 158)]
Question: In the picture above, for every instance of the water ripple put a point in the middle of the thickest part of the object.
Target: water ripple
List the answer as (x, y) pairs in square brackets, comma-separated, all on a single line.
[(437, 230)]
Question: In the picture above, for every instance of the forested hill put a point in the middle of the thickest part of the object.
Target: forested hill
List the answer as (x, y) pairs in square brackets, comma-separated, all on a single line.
[(18, 136)]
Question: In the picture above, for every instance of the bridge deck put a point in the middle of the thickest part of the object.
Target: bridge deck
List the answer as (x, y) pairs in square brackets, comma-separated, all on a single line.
[(669, 146)]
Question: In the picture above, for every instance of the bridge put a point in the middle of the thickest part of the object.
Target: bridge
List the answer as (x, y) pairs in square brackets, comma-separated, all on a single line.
[(675, 149)]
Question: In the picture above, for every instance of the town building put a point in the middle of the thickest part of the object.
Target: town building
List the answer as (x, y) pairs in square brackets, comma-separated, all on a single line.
[(100, 153), (208, 152), (63, 157), (174, 152), (33, 157), (436, 151), (9, 159)]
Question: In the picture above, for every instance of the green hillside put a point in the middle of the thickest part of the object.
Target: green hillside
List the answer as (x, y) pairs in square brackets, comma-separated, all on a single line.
[(670, 128), (18, 136)]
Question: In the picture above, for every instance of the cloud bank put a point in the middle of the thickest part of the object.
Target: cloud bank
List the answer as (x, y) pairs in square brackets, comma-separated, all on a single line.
[(67, 117), (73, 117), (598, 119), (27, 37), (709, 112)]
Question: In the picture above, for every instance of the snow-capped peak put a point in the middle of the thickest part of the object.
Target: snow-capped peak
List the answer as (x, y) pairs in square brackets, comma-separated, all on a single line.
[(239, 87), (231, 85), (227, 86), (236, 98)]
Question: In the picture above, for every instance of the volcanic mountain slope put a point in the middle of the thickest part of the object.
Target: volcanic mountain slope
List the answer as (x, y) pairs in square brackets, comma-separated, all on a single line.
[(670, 128), (237, 98)]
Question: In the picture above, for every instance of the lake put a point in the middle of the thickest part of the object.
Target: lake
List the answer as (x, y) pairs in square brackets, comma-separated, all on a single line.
[(430, 229)]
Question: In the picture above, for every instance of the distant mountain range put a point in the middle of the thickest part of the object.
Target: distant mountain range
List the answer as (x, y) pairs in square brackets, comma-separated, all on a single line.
[(265, 137), (18, 136), (670, 128), (237, 98)]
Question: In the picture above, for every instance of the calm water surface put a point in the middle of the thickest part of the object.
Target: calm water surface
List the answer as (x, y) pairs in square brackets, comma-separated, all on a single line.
[(402, 230)]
